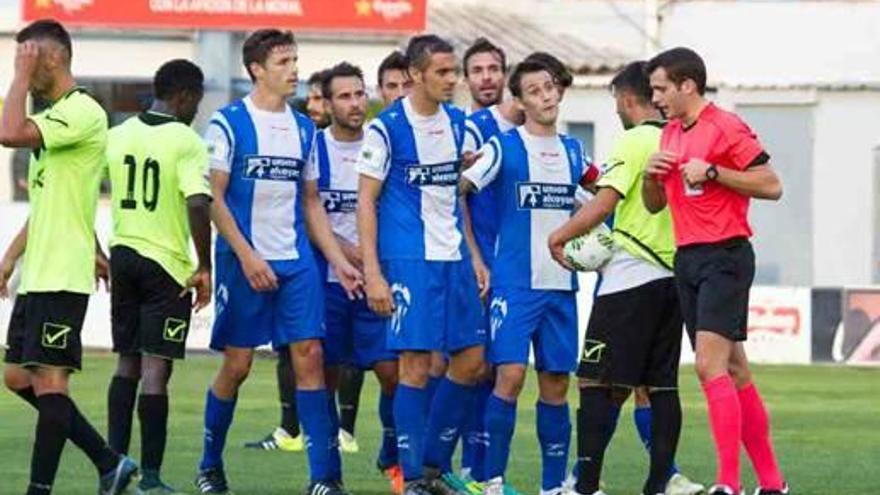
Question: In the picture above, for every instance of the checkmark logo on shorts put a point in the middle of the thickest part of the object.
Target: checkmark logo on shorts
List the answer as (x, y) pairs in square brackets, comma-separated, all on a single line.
[(55, 335), (593, 351), (175, 330)]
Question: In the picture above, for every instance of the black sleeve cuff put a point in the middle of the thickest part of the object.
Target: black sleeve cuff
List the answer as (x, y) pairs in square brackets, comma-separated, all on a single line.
[(762, 159)]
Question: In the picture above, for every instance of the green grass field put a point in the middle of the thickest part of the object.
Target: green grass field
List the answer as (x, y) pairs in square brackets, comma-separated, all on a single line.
[(826, 426)]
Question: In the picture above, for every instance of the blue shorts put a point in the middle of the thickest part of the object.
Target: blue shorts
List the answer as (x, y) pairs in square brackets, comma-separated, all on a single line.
[(247, 318), (437, 306), (355, 334), (546, 319)]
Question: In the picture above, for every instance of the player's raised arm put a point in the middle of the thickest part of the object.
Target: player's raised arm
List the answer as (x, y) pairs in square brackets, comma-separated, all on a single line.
[(322, 236), (16, 130)]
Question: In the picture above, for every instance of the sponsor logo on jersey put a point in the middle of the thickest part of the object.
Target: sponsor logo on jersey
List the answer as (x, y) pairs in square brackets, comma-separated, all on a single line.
[(438, 174), (281, 168), (541, 196), (337, 201)]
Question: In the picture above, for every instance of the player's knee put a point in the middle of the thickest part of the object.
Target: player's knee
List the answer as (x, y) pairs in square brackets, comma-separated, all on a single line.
[(16, 378), (50, 381), (467, 365), (740, 373), (129, 367), (438, 364), (236, 371), (414, 368), (509, 381), (553, 387), (641, 396), (708, 368)]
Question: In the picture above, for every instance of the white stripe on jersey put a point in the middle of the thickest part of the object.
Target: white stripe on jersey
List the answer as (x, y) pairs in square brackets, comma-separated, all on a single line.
[(342, 157), (435, 143), (548, 163), (274, 203)]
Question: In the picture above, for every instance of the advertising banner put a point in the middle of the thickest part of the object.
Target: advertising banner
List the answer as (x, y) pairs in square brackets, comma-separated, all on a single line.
[(403, 16)]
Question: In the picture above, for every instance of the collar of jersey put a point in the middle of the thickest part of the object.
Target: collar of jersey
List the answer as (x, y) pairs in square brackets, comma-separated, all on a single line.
[(156, 118)]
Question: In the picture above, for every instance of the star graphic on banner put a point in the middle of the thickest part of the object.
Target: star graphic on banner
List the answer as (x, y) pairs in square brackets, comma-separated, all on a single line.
[(363, 7)]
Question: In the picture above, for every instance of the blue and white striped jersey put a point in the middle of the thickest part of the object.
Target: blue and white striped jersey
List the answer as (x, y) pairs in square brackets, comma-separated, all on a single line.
[(267, 156), (482, 125), (535, 180), (338, 185), (419, 160)]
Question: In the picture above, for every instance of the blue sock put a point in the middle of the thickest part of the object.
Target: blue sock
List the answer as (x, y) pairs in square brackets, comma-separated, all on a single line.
[(554, 435), (451, 402), (335, 466), (411, 426), (500, 422), (317, 425), (643, 417), (473, 448), (218, 418), (388, 451), (430, 390)]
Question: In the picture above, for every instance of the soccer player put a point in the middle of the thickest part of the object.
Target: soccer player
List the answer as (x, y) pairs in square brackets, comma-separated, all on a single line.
[(709, 166), (634, 335), (534, 172), (159, 197), (268, 289), (355, 334), (315, 100), (485, 71), (68, 140), (418, 269), (393, 78)]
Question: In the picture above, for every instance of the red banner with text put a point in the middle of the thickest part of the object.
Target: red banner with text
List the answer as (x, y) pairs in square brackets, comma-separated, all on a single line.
[(311, 15)]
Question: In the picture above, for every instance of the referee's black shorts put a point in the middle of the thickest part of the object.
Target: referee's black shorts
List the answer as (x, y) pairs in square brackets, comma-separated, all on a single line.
[(713, 285)]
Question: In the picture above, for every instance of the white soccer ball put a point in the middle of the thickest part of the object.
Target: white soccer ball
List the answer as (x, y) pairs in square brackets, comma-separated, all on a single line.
[(590, 252)]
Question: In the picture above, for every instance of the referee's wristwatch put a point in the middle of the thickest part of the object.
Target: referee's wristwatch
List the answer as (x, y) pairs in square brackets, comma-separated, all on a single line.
[(712, 172)]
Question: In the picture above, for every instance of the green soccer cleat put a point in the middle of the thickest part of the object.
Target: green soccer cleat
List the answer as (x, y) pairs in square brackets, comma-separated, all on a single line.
[(348, 444), (278, 440), (115, 482)]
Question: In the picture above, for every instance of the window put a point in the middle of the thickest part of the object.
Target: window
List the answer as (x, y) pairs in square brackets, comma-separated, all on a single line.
[(585, 132)]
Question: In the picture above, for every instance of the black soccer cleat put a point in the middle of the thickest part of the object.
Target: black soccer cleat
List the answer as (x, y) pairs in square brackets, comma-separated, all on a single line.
[(417, 487), (212, 481), (783, 491), (325, 488)]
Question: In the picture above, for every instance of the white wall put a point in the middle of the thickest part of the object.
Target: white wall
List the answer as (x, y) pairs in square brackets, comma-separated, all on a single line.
[(782, 41)]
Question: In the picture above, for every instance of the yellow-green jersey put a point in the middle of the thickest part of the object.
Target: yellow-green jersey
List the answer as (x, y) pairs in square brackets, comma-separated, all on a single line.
[(642, 235), (64, 178), (155, 163)]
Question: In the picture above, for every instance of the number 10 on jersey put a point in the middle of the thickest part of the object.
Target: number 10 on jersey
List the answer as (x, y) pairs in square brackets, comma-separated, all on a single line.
[(149, 182)]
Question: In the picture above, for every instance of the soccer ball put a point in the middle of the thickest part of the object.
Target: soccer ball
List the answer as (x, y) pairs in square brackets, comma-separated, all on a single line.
[(590, 252)]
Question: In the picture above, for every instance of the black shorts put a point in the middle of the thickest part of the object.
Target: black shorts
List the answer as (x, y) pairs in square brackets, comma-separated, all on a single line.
[(634, 337), (149, 316), (45, 330), (713, 285)]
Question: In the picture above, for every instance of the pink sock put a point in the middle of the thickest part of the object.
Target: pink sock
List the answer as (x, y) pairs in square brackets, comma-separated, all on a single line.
[(756, 438), (725, 420)]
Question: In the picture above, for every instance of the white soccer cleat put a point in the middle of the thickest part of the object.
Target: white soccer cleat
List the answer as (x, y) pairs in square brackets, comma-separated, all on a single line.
[(495, 486), (679, 484)]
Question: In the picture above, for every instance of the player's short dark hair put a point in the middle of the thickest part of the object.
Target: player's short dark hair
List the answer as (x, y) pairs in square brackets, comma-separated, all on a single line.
[(680, 65), (46, 29), (420, 49), (394, 61), (525, 67), (634, 79), (177, 76), (559, 71), (260, 43), (483, 45), (317, 78), (342, 69)]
